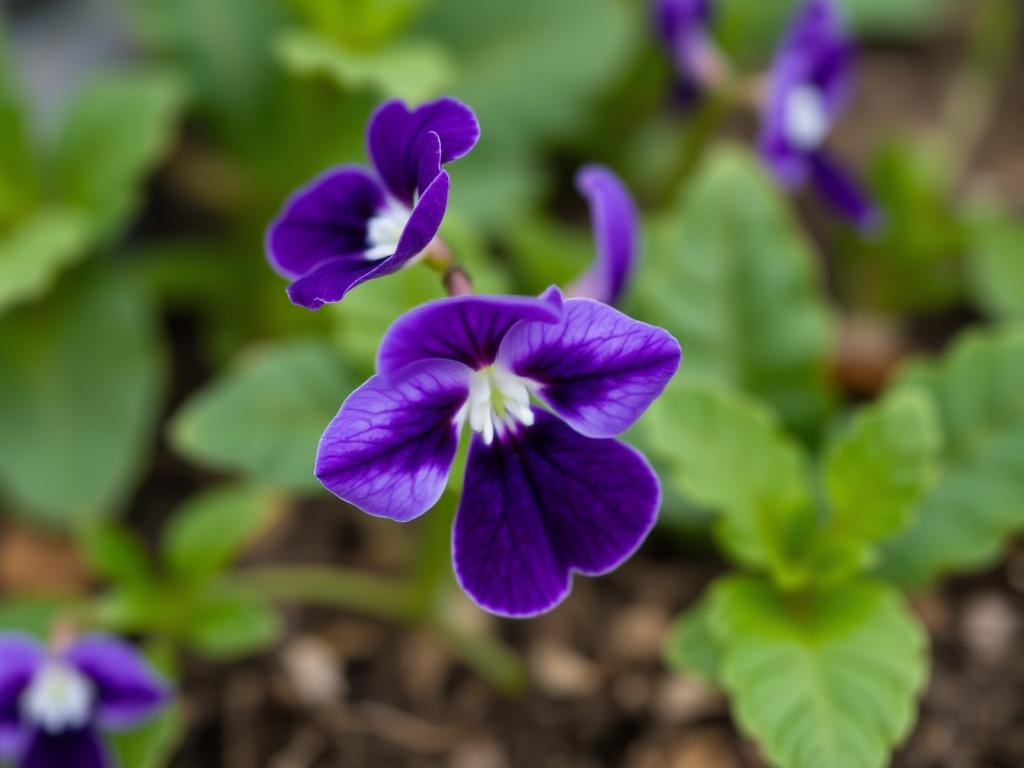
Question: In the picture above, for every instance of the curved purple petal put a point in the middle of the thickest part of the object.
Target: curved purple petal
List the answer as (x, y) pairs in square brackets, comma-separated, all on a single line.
[(467, 329), (843, 193), (395, 134), (325, 219), (615, 231), (392, 444), (538, 507), (20, 657), (598, 369), (128, 689), (423, 224), (80, 748)]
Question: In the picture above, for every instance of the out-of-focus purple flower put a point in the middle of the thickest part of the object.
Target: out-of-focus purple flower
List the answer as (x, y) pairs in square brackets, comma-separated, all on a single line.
[(614, 217), (683, 27), (547, 491), (54, 706), (349, 225), (810, 84)]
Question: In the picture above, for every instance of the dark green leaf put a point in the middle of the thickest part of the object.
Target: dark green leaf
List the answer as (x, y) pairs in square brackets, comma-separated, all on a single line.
[(229, 624), (116, 553)]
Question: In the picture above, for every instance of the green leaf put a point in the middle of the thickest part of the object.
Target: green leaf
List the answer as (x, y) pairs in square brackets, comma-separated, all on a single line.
[(996, 262), (18, 173), (115, 552), (729, 453), (530, 69), (977, 503), (414, 71), (265, 415), (691, 646), (80, 391), (34, 615), (36, 250), (229, 623), (116, 132), (730, 275), (359, 23), (875, 473), (212, 528), (827, 680)]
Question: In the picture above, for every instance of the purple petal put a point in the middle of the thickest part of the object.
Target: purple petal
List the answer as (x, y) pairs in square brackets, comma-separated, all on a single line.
[(598, 369), (395, 135), (538, 507), (467, 329), (843, 193), (67, 749), (334, 278), (20, 656), (129, 691), (326, 219), (615, 231), (391, 446)]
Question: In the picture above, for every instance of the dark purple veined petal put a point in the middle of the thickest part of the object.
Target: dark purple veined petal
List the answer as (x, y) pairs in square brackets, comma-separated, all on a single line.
[(20, 657), (128, 689), (391, 446), (540, 506), (597, 368), (467, 329), (331, 280), (614, 217), (324, 220), (395, 134), (81, 748), (844, 193)]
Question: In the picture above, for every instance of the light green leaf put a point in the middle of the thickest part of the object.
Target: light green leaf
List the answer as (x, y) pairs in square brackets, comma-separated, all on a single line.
[(212, 528), (977, 503), (414, 71), (731, 276), (996, 262), (81, 382), (18, 173), (729, 453), (229, 623), (36, 250), (875, 473), (827, 680), (115, 552), (265, 415), (359, 23), (34, 615), (691, 646), (115, 133)]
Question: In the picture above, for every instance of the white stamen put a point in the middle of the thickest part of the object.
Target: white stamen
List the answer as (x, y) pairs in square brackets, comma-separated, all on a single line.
[(59, 698), (498, 402), (384, 230), (805, 117)]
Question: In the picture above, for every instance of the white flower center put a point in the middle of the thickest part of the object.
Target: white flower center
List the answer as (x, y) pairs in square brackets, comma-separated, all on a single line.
[(385, 229), (59, 698), (498, 402), (805, 117)]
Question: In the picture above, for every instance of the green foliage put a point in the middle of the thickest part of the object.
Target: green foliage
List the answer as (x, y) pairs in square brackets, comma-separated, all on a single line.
[(357, 23), (151, 745), (977, 503), (691, 646), (116, 131), (34, 615), (80, 392), (414, 71), (996, 262), (823, 679), (730, 274), (18, 174), (228, 623), (36, 250), (264, 416)]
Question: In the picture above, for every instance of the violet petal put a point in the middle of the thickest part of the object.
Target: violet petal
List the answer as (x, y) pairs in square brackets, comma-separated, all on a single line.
[(81, 748), (20, 657)]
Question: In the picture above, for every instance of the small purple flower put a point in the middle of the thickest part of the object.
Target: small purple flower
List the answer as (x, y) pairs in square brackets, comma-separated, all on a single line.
[(547, 491), (348, 225), (809, 88), (53, 706), (614, 216), (683, 26)]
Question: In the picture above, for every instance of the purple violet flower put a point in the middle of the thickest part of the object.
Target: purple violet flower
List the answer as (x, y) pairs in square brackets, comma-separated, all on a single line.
[(53, 706), (614, 217), (348, 225), (683, 26), (810, 84), (547, 491)]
